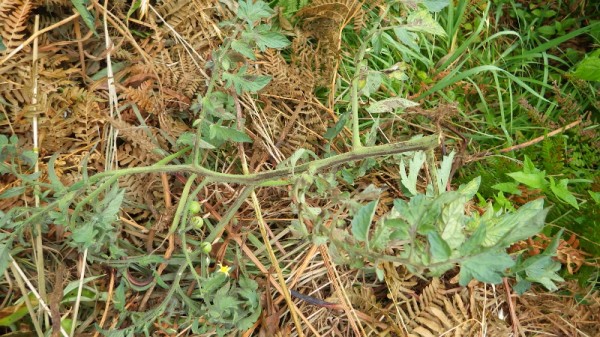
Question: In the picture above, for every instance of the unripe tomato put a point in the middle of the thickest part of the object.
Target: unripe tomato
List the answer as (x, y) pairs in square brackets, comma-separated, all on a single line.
[(206, 247), (195, 207), (197, 222)]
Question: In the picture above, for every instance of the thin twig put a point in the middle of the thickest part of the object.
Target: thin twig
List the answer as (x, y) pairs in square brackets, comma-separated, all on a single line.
[(79, 291), (262, 226), (511, 307), (38, 245), (23, 277), (528, 143), (111, 287)]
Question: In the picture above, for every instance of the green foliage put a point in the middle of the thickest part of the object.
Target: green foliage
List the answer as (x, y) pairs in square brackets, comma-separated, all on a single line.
[(589, 68), (226, 305), (533, 178), (433, 233), (86, 15)]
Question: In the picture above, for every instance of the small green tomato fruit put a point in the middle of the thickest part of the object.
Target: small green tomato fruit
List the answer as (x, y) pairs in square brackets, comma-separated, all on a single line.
[(197, 222), (195, 207), (206, 247)]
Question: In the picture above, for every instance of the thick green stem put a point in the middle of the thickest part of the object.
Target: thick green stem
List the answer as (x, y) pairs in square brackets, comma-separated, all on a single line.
[(266, 178)]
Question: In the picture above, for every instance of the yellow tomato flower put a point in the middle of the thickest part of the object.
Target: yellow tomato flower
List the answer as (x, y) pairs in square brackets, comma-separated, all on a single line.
[(223, 269)]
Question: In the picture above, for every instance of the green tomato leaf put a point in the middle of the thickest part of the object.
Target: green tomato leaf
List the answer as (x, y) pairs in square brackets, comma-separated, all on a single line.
[(243, 48), (453, 218), (470, 189), (253, 12), (436, 5), (440, 250), (488, 267), (361, 223), (527, 221), (265, 38), (380, 237), (444, 172), (542, 269), (243, 82), (332, 132), (57, 185), (225, 133), (189, 139), (474, 241), (399, 229), (391, 104), (410, 181), (119, 299), (422, 21)]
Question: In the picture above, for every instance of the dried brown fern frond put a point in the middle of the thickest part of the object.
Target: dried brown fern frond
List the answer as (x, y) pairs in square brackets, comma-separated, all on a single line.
[(436, 311), (14, 17), (139, 137), (572, 312)]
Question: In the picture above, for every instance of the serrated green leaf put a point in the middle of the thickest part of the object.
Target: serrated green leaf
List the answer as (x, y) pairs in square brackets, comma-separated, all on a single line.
[(245, 83), (410, 40), (247, 322), (562, 192), (410, 181), (265, 38), (252, 12), (522, 286), (189, 138), (527, 221), (543, 269), (380, 238), (474, 241), (109, 214), (243, 48), (57, 185), (374, 79), (488, 267), (399, 229), (119, 300), (436, 5), (440, 250), (443, 175), (470, 189), (422, 21), (361, 223), (391, 104), (332, 132), (453, 219), (511, 188), (84, 235), (226, 134), (30, 157)]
